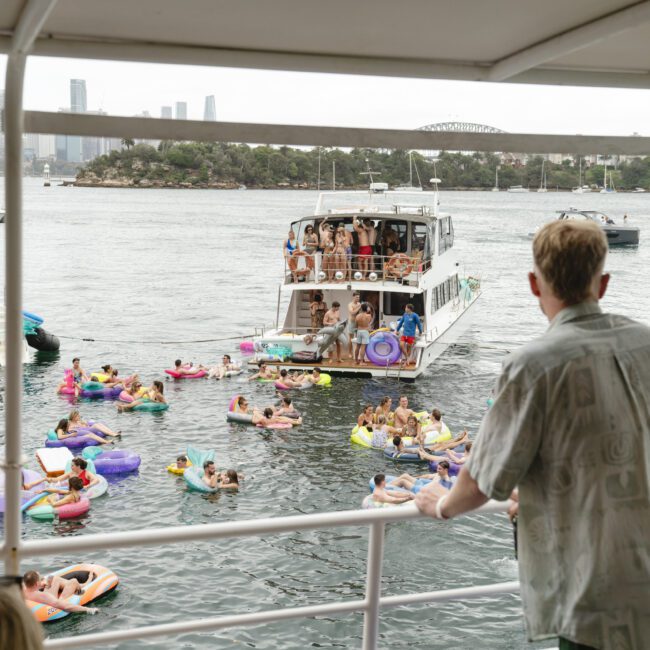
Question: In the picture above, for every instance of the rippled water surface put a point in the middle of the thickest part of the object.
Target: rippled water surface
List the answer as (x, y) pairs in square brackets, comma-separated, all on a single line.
[(147, 266)]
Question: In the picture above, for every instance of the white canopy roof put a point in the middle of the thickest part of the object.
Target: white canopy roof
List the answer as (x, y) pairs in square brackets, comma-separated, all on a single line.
[(581, 42)]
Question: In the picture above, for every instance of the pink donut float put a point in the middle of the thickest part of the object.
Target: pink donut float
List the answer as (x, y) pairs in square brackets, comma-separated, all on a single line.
[(180, 375), (247, 347)]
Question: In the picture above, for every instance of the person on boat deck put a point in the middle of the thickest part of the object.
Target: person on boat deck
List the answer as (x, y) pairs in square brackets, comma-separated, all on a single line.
[(75, 422), (326, 232), (436, 422), (181, 462), (365, 248), (363, 320), (154, 394), (402, 413), (310, 240), (227, 479), (78, 468), (317, 309), (267, 417), (332, 318), (380, 433), (62, 432), (408, 322), (264, 372), (381, 495), (184, 368), (78, 373), (369, 226), (226, 365), (384, 409), (289, 247), (62, 497), (351, 327), (287, 408), (366, 418), (55, 590), (292, 380), (339, 254), (389, 241)]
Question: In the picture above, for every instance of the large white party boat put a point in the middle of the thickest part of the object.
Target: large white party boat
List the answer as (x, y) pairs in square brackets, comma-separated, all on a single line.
[(412, 261)]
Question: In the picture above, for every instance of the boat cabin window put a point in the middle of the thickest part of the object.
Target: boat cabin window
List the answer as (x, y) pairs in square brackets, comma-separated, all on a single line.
[(393, 233), (394, 303), (444, 292), (445, 234), (419, 241)]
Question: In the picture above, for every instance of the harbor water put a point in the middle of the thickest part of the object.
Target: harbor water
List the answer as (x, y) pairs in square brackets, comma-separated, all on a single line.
[(143, 273)]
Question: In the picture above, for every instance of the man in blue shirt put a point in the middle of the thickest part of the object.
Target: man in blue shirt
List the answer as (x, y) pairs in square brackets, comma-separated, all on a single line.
[(409, 321)]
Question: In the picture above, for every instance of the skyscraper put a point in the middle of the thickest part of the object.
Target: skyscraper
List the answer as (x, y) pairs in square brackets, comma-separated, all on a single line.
[(209, 110), (181, 110), (78, 103), (166, 112)]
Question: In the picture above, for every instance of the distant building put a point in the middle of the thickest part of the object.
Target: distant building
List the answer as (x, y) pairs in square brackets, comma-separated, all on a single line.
[(78, 99), (181, 110), (166, 112), (210, 110)]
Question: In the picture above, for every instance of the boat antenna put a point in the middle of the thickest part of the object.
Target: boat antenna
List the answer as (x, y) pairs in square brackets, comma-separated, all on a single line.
[(417, 173), (369, 173)]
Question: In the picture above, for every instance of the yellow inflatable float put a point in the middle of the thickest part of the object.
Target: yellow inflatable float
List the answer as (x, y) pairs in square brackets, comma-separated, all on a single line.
[(361, 436)]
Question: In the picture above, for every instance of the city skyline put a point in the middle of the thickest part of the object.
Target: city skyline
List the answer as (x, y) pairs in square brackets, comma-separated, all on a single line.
[(209, 109)]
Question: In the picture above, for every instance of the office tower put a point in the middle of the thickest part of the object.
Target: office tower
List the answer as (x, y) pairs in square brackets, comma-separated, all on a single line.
[(46, 146), (30, 146), (209, 111), (181, 110), (166, 112), (78, 102)]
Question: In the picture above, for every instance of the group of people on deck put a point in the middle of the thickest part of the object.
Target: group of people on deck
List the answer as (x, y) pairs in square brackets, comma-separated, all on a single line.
[(331, 248)]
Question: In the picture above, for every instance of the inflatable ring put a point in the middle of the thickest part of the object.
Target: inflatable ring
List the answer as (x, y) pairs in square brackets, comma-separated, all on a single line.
[(73, 442), (380, 329), (324, 379), (97, 390), (419, 484), (117, 461), (179, 375), (101, 377), (27, 497), (239, 418), (409, 455), (151, 406), (293, 262), (45, 512), (400, 265), (370, 504), (383, 349), (193, 477), (179, 471), (103, 582)]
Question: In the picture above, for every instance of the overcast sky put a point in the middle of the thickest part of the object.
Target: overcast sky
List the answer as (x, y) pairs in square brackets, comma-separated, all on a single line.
[(336, 100)]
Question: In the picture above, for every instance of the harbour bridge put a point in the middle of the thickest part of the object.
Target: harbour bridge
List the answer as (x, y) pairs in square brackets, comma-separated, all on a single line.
[(456, 127)]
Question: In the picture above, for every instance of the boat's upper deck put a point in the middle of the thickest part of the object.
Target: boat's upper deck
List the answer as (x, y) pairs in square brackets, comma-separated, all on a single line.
[(387, 238)]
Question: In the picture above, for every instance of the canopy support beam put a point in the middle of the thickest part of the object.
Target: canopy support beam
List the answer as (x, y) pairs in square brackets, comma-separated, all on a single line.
[(326, 136)]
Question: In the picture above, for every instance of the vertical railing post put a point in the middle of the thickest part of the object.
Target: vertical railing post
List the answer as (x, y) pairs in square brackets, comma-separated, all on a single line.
[(373, 586), (13, 305)]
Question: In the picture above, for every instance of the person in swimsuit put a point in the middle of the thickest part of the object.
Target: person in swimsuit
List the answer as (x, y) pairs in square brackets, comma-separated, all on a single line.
[(331, 318), (62, 433), (75, 422), (185, 368), (366, 418), (326, 231), (63, 497), (264, 372), (380, 433), (351, 327), (363, 321), (181, 462), (369, 226), (267, 417), (339, 254), (436, 422), (227, 479), (55, 590), (384, 409), (413, 429), (289, 247), (450, 454), (226, 365), (402, 412), (381, 495), (292, 380), (365, 249), (317, 309), (78, 373), (154, 394), (409, 322), (286, 408), (310, 244), (78, 468), (349, 241)]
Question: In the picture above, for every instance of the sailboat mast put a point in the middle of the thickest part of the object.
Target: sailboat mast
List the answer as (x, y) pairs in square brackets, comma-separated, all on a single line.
[(605, 178), (410, 169)]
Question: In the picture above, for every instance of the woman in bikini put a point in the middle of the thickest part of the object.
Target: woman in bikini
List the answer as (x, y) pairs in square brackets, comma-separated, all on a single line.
[(384, 409), (339, 255), (366, 418), (289, 247), (62, 432), (75, 422)]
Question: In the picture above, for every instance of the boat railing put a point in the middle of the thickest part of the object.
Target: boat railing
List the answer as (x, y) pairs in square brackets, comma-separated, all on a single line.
[(370, 604), (400, 268)]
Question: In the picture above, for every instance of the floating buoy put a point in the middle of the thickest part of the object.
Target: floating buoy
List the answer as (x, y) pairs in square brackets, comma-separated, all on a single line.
[(43, 341)]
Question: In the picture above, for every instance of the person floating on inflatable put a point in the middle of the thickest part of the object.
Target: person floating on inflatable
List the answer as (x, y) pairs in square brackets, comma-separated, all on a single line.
[(54, 591), (154, 394)]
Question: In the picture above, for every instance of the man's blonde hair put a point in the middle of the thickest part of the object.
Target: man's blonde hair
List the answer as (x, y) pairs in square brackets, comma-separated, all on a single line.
[(568, 254)]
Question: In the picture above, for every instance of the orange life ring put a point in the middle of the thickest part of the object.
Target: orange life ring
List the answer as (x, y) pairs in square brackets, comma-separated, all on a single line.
[(400, 265), (293, 262)]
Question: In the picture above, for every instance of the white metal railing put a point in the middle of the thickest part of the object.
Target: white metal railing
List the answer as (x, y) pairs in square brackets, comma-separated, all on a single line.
[(370, 605)]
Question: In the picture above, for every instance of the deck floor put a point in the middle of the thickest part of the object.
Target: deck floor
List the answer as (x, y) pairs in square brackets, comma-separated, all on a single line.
[(344, 364)]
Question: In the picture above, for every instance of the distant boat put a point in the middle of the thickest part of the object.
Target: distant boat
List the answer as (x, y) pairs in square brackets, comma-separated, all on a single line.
[(542, 182), (410, 187), (608, 189), (496, 180), (581, 189), (517, 189), (638, 190), (242, 187)]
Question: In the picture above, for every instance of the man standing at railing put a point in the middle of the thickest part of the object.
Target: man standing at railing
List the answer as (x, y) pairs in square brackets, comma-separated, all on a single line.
[(570, 427)]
